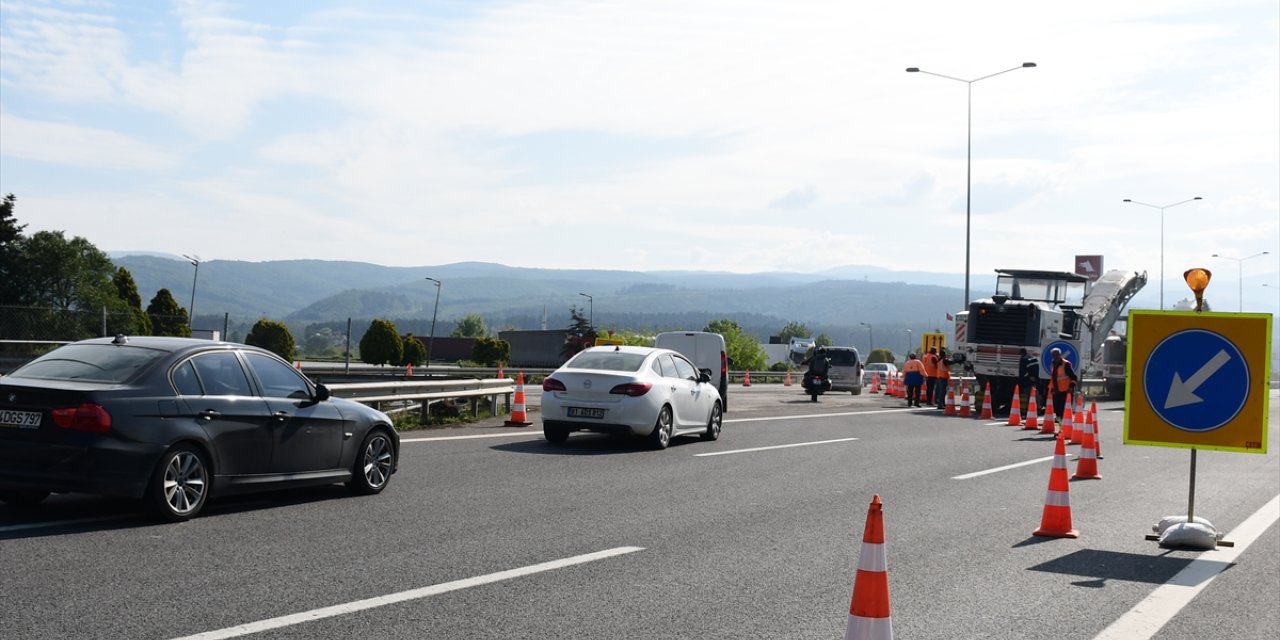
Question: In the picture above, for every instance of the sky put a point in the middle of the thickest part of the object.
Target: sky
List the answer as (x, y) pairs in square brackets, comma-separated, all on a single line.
[(741, 136)]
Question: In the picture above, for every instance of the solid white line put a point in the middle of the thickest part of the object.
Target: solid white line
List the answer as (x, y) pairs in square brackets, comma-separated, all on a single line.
[(780, 446), (999, 469), (57, 523), (1146, 618), (403, 596), (821, 415), (513, 434)]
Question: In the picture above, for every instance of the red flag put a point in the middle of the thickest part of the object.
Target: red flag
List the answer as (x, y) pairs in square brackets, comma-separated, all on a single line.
[(950, 317)]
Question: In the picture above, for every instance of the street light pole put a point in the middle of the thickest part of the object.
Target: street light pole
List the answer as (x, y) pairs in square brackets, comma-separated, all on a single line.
[(871, 337), (1240, 271), (1161, 208), (968, 192), (591, 311), (432, 339), (908, 345), (191, 309)]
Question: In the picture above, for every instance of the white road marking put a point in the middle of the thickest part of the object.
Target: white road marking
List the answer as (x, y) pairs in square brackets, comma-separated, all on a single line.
[(1146, 618), (404, 596), (820, 415), (780, 446), (999, 469), (512, 434)]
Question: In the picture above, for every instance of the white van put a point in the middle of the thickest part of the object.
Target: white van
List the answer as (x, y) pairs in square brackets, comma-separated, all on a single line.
[(706, 350)]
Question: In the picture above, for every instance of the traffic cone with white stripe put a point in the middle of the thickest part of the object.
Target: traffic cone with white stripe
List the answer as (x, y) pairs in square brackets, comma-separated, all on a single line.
[(869, 617), (1033, 420), (1049, 415), (966, 403), (518, 416), (1097, 435), (1077, 433), (1055, 522), (408, 370), (1068, 421), (501, 373), (1015, 409), (951, 401), (787, 381), (875, 383), (746, 378), (986, 403), (1087, 463)]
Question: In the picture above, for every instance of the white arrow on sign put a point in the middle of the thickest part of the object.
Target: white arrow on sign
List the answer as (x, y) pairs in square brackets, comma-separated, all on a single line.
[(1087, 266), (1184, 393)]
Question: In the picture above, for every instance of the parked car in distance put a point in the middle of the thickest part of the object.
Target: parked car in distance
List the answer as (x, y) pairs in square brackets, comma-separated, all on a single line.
[(706, 351), (846, 368), (886, 370), (177, 421), (639, 391)]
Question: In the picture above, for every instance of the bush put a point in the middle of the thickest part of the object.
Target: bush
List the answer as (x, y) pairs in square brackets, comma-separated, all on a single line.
[(272, 336), (415, 353), (490, 351), (381, 344)]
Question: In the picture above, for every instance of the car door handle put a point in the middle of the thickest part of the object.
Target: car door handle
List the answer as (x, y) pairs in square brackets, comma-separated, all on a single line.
[(208, 414), (281, 416)]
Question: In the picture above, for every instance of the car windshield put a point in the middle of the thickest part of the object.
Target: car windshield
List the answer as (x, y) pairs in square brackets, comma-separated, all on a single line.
[(606, 361), (90, 363), (878, 366), (842, 358)]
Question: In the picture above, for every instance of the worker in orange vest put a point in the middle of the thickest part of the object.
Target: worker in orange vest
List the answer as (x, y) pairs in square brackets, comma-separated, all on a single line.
[(913, 379), (930, 361), (1062, 380), (944, 379)]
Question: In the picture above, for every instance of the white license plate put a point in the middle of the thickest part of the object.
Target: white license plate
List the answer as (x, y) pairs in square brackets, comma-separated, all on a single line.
[(585, 412), (20, 419)]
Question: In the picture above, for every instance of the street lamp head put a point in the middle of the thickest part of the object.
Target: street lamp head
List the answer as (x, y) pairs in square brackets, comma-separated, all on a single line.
[(1028, 65), (1197, 198), (913, 69), (1128, 200)]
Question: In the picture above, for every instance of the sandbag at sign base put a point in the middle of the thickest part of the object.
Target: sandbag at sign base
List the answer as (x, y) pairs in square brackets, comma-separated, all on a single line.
[(1176, 532)]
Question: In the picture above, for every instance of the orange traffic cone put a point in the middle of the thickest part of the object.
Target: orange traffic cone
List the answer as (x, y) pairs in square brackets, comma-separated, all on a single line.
[(875, 383), (297, 364), (787, 382), (966, 403), (1033, 420), (986, 403), (518, 416), (1015, 409), (501, 373), (1056, 519), (1077, 434), (746, 378), (869, 617), (1049, 415), (1087, 463), (408, 370), (1097, 434), (951, 401), (1068, 421)]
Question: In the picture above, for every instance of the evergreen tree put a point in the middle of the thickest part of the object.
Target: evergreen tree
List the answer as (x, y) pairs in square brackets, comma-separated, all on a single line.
[(11, 240), (491, 351), (135, 320), (381, 344), (272, 336), (580, 335), (415, 353), (167, 318)]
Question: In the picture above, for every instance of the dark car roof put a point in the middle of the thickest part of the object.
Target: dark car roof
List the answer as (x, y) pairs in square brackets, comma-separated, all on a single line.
[(165, 343)]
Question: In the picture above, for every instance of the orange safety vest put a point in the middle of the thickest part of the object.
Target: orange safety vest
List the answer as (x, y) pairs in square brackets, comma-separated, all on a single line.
[(930, 365), (944, 371), (1058, 380)]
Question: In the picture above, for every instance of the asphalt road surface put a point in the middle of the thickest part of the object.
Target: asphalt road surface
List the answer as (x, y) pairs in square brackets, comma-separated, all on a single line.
[(490, 532)]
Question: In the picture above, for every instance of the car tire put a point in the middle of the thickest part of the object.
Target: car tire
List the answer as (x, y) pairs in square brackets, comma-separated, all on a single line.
[(180, 484), (555, 435), (660, 438), (714, 423), (23, 497), (373, 465)]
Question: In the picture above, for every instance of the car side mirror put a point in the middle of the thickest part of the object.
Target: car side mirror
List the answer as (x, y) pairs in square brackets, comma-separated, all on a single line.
[(704, 375), (322, 392)]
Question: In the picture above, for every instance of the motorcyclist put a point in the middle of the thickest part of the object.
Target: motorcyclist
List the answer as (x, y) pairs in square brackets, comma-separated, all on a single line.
[(819, 365)]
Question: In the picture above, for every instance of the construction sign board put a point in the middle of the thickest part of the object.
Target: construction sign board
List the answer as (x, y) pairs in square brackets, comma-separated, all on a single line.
[(1198, 380), (935, 340), (1089, 267)]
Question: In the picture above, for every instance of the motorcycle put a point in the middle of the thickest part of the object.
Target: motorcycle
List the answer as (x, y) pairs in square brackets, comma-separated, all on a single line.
[(815, 384)]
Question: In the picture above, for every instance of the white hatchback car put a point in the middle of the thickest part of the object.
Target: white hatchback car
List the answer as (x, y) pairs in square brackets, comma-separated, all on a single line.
[(656, 393), (886, 370)]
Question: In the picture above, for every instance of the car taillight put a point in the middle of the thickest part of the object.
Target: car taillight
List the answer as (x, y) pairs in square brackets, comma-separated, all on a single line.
[(632, 389), (551, 384), (89, 417), (724, 366)]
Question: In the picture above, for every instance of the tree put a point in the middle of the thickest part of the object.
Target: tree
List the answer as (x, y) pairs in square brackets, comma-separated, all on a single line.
[(823, 340), (381, 343), (472, 326), (579, 336), (136, 321), (272, 336), (794, 330), (490, 351), (880, 355), (415, 353), (743, 349), (167, 318), (66, 274), (11, 240)]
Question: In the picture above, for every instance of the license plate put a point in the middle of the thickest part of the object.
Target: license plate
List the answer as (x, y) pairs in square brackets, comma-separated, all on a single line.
[(20, 419), (584, 412)]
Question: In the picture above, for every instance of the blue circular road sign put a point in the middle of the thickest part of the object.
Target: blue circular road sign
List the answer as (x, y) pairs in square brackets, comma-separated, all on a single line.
[(1196, 380), (1068, 351)]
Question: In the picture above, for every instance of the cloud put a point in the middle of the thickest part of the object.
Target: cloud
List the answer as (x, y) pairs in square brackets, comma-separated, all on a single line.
[(70, 145), (798, 198)]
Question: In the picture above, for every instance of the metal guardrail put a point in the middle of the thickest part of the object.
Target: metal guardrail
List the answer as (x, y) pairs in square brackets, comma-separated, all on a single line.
[(425, 391)]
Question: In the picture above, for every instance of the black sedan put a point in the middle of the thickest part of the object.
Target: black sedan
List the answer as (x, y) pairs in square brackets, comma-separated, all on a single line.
[(175, 421)]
